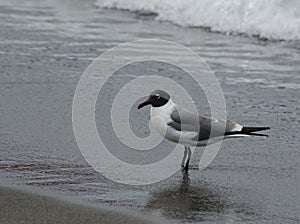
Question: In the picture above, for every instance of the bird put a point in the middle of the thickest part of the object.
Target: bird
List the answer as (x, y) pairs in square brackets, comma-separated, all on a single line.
[(190, 129)]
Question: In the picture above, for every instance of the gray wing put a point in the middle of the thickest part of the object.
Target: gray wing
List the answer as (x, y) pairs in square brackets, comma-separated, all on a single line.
[(183, 120)]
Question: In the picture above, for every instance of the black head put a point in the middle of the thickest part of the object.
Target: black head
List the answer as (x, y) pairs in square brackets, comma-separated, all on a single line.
[(157, 98)]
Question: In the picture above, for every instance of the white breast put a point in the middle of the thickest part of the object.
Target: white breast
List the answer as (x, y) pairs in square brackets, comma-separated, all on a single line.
[(161, 116)]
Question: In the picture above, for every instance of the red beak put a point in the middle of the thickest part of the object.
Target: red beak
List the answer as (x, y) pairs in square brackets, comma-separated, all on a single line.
[(145, 103)]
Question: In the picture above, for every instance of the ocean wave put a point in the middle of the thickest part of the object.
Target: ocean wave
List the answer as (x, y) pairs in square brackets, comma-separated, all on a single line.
[(271, 19)]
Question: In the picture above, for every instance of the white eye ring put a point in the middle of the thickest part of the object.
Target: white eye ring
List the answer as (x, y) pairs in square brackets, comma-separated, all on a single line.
[(158, 96)]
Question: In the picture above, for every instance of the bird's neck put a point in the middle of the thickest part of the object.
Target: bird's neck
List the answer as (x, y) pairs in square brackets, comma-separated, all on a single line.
[(166, 109)]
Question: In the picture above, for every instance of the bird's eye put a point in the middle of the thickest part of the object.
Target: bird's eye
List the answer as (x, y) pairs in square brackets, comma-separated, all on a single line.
[(155, 97)]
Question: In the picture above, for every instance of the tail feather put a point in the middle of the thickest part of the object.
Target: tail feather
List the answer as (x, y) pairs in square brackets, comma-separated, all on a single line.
[(256, 134)]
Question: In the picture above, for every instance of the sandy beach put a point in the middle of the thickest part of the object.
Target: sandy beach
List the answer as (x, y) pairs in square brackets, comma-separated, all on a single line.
[(46, 46)]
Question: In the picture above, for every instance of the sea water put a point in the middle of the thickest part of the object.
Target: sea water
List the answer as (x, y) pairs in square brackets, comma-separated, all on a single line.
[(271, 19)]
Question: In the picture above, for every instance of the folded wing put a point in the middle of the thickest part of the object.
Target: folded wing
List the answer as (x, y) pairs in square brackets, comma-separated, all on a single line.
[(187, 121)]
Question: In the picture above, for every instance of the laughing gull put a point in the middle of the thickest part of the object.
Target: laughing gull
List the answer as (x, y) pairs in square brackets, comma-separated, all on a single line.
[(185, 127)]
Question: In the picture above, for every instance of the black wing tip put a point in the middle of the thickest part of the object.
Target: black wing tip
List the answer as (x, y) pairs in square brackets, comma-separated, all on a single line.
[(247, 130), (242, 133)]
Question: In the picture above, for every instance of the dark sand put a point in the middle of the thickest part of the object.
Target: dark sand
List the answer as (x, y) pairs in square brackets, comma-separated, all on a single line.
[(27, 208)]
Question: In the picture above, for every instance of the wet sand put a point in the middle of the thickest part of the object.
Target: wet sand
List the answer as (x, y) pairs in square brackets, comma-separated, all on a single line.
[(27, 208)]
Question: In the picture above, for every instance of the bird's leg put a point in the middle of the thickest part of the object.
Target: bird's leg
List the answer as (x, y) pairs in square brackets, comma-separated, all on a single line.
[(184, 156), (186, 168)]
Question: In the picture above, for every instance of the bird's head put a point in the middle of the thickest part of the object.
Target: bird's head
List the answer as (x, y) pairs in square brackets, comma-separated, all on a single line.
[(157, 98)]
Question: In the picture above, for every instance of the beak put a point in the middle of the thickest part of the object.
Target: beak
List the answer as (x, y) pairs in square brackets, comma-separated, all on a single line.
[(145, 103)]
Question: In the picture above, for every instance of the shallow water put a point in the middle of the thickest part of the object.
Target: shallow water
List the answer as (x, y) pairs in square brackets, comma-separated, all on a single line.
[(45, 47)]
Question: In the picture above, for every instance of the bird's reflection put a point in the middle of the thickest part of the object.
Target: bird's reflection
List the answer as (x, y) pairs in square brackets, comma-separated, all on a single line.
[(185, 200)]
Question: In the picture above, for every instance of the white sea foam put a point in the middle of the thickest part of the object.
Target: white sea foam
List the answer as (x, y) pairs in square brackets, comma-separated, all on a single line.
[(272, 19)]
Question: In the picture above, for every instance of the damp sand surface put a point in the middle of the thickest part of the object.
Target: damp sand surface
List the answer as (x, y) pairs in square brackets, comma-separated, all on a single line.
[(19, 206)]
